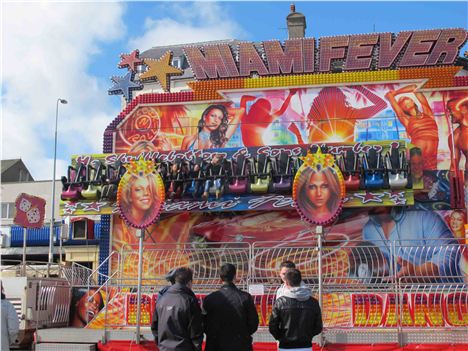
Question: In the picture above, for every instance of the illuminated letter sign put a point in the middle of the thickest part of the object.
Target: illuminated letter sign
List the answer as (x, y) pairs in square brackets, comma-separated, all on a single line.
[(358, 52)]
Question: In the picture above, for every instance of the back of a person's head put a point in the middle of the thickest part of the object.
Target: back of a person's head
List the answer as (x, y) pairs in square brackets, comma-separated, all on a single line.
[(170, 276), (293, 277), (183, 275), (228, 272), (287, 264)]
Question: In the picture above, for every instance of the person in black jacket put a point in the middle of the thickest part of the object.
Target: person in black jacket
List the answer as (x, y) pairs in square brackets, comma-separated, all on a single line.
[(296, 317), (230, 316), (177, 323), (170, 277)]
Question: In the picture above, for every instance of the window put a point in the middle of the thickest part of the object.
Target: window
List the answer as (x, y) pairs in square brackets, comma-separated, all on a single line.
[(80, 230), (176, 62), (8, 210)]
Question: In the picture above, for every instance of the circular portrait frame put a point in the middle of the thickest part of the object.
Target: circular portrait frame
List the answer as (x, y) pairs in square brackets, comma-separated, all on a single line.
[(141, 194), (319, 189)]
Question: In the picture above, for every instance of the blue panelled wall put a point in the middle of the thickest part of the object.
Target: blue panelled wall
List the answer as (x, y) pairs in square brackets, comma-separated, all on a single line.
[(40, 236)]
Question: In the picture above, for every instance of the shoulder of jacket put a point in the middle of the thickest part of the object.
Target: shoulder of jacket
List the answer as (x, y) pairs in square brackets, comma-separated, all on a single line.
[(244, 294), (211, 295), (281, 301)]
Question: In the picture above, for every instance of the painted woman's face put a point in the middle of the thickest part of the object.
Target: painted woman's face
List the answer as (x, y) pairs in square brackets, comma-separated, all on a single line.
[(213, 119), (407, 104), (318, 190), (456, 221), (140, 194), (87, 307)]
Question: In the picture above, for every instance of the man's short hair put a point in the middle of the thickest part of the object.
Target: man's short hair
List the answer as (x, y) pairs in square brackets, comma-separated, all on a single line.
[(293, 277), (287, 264), (170, 276), (183, 275), (228, 272)]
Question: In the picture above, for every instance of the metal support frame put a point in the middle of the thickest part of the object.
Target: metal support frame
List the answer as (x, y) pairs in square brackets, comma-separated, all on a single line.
[(319, 232), (23, 267), (141, 234)]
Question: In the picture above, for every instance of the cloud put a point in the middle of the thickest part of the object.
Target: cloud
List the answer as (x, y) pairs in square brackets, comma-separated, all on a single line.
[(47, 52), (48, 49), (192, 22)]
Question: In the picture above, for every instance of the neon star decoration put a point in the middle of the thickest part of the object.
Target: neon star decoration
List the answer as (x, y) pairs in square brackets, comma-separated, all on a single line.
[(130, 61), (161, 70), (370, 197), (124, 86), (319, 189), (398, 197), (318, 159), (93, 206), (140, 167), (70, 208)]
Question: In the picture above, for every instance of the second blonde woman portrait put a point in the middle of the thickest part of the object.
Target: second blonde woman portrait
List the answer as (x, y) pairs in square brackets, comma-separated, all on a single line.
[(319, 193)]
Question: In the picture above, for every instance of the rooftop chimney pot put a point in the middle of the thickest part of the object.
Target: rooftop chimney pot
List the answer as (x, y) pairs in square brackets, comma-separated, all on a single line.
[(296, 23)]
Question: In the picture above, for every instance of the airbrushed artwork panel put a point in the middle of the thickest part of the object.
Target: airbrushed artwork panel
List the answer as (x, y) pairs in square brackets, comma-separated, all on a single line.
[(435, 122), (356, 254), (355, 228)]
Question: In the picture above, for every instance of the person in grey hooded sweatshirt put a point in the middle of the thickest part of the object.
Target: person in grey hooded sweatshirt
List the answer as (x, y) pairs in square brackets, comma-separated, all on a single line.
[(296, 316), (9, 322)]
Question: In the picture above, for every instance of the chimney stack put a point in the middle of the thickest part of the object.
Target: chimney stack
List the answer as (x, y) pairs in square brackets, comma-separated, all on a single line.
[(296, 23)]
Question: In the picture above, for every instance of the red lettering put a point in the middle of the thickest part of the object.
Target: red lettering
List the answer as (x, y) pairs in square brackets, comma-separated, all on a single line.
[(360, 51), (287, 61), (331, 48), (250, 61), (449, 43), (456, 309), (419, 47), (83, 160), (308, 47), (388, 52), (216, 62)]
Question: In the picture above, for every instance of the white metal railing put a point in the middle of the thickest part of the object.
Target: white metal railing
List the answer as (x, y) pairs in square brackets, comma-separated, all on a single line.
[(33, 269), (205, 259), (364, 284)]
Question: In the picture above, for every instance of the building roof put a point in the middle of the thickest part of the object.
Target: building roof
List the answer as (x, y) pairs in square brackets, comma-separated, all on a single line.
[(22, 175), (7, 164)]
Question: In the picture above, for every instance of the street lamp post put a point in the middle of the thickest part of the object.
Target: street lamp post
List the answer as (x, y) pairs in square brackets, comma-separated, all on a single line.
[(52, 219)]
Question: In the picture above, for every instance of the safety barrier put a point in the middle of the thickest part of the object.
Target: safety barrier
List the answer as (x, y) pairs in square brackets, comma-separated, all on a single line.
[(396, 285)]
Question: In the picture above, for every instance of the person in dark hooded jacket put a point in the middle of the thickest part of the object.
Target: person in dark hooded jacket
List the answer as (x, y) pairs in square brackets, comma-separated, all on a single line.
[(177, 323), (296, 317), (230, 316), (170, 277)]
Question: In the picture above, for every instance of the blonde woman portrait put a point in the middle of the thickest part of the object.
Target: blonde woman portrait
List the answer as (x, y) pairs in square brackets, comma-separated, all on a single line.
[(319, 193), (139, 199)]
